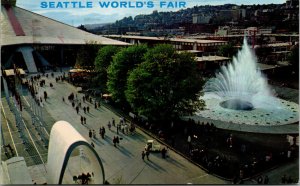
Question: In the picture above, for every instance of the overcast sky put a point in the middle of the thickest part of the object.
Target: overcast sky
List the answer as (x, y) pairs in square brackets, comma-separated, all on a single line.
[(95, 15)]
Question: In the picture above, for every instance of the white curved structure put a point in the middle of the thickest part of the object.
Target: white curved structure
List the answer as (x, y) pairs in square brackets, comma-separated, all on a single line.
[(63, 140)]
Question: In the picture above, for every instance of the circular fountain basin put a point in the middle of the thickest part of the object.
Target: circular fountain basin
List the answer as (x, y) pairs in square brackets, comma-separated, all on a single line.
[(283, 119)]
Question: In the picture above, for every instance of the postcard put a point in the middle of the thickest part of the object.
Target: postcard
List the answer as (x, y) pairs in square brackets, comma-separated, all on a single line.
[(149, 92)]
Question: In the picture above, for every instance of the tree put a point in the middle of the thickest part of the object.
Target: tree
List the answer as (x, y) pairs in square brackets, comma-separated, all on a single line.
[(118, 71), (227, 50), (86, 56), (293, 58), (166, 85), (102, 61)]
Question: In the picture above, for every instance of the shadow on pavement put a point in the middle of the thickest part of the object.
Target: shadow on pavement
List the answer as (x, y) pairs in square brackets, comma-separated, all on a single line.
[(154, 165), (125, 151)]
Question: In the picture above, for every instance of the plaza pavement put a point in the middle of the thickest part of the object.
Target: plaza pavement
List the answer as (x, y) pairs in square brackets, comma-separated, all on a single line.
[(122, 165)]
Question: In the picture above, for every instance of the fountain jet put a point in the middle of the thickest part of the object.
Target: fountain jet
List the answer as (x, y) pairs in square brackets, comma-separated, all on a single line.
[(241, 85)]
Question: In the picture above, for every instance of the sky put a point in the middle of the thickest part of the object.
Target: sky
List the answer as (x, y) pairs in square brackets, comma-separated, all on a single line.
[(97, 15)]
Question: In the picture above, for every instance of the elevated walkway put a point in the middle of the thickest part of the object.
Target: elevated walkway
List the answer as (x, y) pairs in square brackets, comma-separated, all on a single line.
[(28, 58), (15, 171)]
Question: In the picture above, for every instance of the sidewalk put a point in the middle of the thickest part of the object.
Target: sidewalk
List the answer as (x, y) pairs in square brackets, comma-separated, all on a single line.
[(123, 164)]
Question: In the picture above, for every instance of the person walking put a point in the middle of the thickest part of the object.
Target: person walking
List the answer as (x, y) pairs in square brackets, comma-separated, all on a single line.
[(81, 119), (90, 133), (84, 120), (143, 155), (115, 141), (103, 129), (84, 109), (88, 109), (77, 109), (189, 140), (102, 133), (109, 125), (163, 153), (113, 122), (147, 154)]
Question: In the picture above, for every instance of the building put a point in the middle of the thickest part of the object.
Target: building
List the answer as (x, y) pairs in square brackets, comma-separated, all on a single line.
[(231, 15), (201, 18), (178, 43), (26, 36)]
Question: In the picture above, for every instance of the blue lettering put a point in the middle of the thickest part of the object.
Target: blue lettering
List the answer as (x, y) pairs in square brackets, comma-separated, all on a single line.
[(89, 4), (182, 4), (44, 5), (66, 4), (80, 5), (150, 4), (104, 4), (59, 5), (139, 4), (74, 4), (130, 6), (170, 4), (51, 4), (123, 4), (114, 4), (162, 3)]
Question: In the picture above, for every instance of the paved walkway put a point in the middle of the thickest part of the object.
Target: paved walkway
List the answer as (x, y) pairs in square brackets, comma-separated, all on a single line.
[(123, 164), (290, 169)]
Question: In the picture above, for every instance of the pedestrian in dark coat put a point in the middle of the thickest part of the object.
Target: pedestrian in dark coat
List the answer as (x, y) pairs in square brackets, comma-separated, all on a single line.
[(115, 141), (90, 134), (147, 154), (77, 109)]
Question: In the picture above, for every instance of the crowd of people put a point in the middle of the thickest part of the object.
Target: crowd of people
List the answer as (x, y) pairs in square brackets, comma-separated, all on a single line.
[(219, 151)]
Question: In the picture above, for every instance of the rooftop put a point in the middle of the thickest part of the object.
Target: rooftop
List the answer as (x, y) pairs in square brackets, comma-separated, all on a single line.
[(211, 58), (19, 26), (200, 41)]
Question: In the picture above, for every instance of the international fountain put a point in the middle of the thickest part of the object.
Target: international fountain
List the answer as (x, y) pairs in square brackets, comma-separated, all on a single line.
[(240, 99)]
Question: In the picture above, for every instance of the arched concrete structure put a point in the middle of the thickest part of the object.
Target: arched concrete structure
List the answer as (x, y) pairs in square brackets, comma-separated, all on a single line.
[(63, 140)]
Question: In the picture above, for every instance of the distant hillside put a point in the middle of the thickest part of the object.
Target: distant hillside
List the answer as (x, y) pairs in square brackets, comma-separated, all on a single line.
[(94, 26), (203, 19)]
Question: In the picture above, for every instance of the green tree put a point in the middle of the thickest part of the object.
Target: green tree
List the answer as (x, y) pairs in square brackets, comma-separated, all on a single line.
[(166, 85), (118, 71), (293, 58), (227, 50), (86, 56), (102, 61)]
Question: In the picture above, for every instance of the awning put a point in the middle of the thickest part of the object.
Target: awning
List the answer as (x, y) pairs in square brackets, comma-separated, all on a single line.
[(21, 71), (77, 70), (106, 95), (9, 72)]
